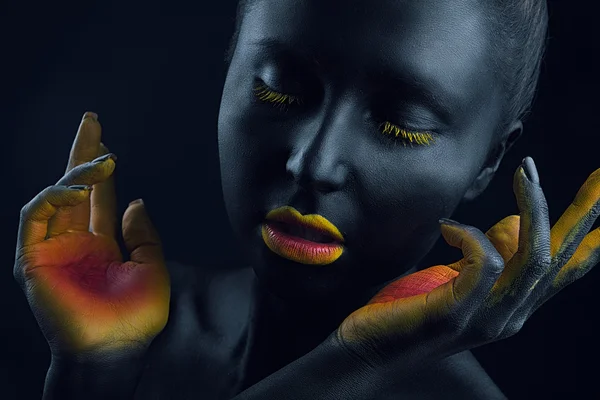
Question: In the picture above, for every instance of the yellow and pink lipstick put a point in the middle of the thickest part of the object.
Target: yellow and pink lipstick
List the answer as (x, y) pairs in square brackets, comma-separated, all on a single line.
[(306, 239)]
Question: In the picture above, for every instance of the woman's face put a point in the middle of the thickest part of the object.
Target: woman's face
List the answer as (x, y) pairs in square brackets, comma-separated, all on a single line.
[(314, 98)]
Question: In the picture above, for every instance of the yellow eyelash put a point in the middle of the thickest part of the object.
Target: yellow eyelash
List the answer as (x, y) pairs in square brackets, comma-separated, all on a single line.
[(263, 93), (424, 139)]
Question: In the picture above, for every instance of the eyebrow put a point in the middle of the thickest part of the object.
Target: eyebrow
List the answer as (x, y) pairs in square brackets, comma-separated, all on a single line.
[(299, 53), (414, 83)]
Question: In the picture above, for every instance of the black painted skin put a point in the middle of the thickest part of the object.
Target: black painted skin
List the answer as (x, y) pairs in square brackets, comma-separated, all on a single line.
[(426, 65), (355, 65)]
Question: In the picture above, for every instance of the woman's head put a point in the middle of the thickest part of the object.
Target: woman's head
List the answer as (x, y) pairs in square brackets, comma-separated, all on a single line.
[(380, 116)]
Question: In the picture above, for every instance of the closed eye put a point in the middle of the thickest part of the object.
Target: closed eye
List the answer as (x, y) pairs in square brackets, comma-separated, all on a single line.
[(397, 134), (280, 100)]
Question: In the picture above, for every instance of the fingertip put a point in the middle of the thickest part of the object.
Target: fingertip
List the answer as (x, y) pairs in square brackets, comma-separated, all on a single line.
[(103, 158), (448, 221), (90, 115), (451, 229), (452, 232), (521, 184), (530, 170), (135, 202)]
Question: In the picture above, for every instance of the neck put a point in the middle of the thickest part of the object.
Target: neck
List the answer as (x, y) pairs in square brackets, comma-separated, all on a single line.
[(281, 331)]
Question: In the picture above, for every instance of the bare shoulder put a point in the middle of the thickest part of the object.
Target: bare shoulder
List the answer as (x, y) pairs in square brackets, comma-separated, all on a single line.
[(216, 294), (459, 376), (204, 333)]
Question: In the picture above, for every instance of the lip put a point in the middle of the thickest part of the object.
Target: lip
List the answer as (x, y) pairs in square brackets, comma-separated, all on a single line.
[(296, 248), (317, 222)]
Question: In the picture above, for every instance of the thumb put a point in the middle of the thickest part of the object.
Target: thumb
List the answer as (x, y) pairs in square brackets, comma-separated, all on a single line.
[(140, 236), (481, 265)]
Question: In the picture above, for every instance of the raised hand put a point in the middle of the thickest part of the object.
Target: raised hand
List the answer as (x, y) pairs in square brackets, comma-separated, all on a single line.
[(87, 300), (504, 277)]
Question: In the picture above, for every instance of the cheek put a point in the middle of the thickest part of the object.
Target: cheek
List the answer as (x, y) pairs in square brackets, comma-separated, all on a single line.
[(412, 187), (250, 165), (402, 200)]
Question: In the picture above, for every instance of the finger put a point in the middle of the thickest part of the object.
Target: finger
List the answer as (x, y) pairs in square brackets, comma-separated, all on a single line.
[(87, 141), (104, 204), (477, 271), (84, 149), (505, 237), (532, 258), (140, 236), (35, 215), (86, 174), (573, 254), (584, 259), (576, 221)]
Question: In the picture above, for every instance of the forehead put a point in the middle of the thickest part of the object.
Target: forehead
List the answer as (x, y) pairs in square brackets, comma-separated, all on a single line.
[(446, 42)]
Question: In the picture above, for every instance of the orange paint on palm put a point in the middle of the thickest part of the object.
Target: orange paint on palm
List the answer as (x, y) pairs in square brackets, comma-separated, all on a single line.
[(377, 319), (417, 283), (96, 297)]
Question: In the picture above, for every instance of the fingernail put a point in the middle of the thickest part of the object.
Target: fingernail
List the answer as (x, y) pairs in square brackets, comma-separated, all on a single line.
[(81, 187), (105, 157), (530, 170), (448, 221), (138, 201), (91, 115)]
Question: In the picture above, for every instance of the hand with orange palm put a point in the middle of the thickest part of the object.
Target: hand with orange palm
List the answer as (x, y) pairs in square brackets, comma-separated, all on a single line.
[(88, 301), (488, 295)]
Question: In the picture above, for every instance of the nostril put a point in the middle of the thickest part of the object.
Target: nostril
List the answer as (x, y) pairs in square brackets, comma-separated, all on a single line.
[(313, 185), (322, 186), (317, 174)]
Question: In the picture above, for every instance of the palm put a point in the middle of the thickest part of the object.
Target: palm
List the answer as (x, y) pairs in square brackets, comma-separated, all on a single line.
[(91, 296)]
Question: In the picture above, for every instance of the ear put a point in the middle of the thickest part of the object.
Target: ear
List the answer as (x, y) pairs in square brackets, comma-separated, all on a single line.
[(508, 139)]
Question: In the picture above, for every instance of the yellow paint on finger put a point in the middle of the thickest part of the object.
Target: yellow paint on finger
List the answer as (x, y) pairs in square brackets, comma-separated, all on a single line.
[(585, 258), (87, 140), (571, 223), (514, 241), (534, 284), (505, 236)]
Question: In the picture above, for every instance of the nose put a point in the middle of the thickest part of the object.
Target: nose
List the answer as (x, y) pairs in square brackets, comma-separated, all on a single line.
[(316, 163)]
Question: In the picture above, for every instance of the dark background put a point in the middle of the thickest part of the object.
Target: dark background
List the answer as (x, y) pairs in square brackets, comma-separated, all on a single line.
[(153, 71)]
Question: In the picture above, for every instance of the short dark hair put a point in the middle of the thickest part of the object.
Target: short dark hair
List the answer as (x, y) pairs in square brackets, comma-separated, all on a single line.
[(522, 27)]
